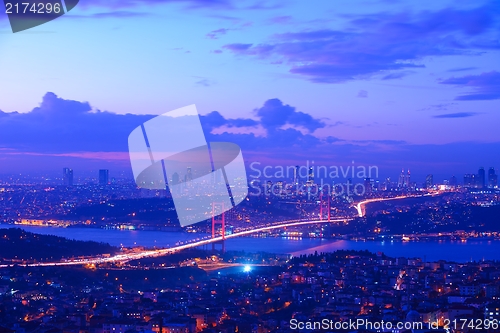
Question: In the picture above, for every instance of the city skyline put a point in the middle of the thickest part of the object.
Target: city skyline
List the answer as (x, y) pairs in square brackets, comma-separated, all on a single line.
[(295, 177)]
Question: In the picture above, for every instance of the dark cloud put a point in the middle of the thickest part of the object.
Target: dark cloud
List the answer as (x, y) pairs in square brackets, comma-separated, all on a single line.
[(378, 43), (485, 86), (60, 125), (62, 133), (283, 141), (274, 114), (214, 120), (66, 126), (456, 115)]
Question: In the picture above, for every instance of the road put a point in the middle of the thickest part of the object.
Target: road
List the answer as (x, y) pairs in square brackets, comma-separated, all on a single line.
[(360, 206), (121, 258)]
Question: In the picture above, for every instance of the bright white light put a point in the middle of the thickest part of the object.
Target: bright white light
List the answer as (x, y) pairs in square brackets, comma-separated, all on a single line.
[(247, 269)]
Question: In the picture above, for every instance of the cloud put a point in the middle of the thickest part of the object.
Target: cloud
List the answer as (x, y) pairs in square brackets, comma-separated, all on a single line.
[(60, 125), (194, 4), (397, 75), (237, 47), (112, 14), (215, 34), (280, 19), (387, 45), (457, 115), (363, 94), (461, 69), (204, 82), (274, 114), (189, 4), (438, 107), (214, 120), (61, 133), (485, 86)]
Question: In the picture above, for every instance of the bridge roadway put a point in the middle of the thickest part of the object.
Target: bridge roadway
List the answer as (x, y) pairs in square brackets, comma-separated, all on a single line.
[(360, 206), (121, 258)]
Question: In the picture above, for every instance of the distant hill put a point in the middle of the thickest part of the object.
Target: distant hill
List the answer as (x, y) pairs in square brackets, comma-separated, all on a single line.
[(18, 244)]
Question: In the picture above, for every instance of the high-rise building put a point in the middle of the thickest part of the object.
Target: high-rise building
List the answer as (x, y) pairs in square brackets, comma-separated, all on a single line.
[(492, 178), (311, 175), (103, 177), (296, 175), (189, 175), (453, 181), (401, 180), (429, 181), (481, 177), (68, 177), (368, 186), (388, 184), (175, 178), (404, 179), (467, 180)]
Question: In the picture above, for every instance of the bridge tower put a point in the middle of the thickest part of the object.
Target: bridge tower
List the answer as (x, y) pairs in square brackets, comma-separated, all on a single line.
[(327, 206), (321, 209), (222, 222), (329, 210), (321, 205)]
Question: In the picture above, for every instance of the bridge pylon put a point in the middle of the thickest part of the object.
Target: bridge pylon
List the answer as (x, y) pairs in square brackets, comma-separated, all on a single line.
[(222, 222)]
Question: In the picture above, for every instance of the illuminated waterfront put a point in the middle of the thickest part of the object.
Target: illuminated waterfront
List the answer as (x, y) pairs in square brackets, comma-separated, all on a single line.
[(429, 250)]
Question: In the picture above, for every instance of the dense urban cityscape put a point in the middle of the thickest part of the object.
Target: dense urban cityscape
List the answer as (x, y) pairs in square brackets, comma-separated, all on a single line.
[(249, 166), (200, 290)]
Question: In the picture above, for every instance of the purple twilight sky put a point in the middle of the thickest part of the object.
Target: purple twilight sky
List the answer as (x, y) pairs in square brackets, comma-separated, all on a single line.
[(389, 83)]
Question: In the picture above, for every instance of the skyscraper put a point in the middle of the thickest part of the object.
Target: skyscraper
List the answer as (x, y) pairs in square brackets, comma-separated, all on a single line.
[(175, 178), (407, 179), (468, 180), (68, 177), (311, 175), (103, 177), (492, 178), (481, 177), (401, 179), (368, 186), (404, 179), (296, 175), (388, 184), (429, 181), (453, 181)]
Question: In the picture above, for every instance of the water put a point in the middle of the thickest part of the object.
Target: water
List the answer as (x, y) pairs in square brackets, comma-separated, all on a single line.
[(429, 250)]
